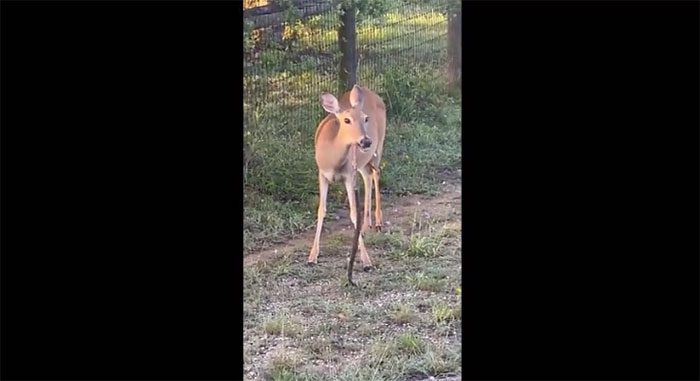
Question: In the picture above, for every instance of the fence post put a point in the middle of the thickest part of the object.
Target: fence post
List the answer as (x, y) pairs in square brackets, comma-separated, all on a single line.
[(347, 39), (454, 44)]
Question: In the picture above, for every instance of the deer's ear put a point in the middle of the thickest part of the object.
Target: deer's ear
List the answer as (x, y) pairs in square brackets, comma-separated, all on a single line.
[(356, 97), (330, 103)]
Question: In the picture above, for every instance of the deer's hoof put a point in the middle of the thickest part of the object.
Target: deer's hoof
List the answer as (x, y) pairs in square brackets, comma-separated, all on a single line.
[(368, 268)]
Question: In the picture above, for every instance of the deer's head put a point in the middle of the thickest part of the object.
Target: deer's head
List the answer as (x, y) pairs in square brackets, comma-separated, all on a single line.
[(353, 121)]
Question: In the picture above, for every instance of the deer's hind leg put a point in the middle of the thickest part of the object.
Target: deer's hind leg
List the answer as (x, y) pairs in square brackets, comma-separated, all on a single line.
[(378, 201)]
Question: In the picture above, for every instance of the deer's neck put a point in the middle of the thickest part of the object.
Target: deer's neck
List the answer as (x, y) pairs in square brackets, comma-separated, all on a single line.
[(332, 149)]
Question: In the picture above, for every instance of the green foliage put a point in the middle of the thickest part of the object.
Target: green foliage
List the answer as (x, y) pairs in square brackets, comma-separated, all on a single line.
[(248, 39), (413, 93), (272, 57), (294, 33), (366, 8)]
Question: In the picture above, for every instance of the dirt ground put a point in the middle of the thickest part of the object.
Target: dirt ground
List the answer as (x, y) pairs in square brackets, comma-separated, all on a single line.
[(403, 322)]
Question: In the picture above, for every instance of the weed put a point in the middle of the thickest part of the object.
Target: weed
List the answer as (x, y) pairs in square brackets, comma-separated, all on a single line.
[(278, 267), (251, 277), (364, 373), (282, 367), (381, 351), (325, 328), (424, 282), (365, 330), (335, 243), (252, 281), (436, 362), (343, 311), (310, 375), (421, 246), (442, 313), (281, 326), (319, 346), (413, 95), (388, 240), (452, 230), (410, 343), (402, 314), (351, 334)]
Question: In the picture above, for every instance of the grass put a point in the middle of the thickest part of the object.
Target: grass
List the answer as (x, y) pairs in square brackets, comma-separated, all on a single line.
[(282, 110), (436, 361), (401, 323), (281, 193), (282, 367), (423, 282), (421, 246), (410, 343), (402, 314), (280, 326), (388, 240), (443, 313)]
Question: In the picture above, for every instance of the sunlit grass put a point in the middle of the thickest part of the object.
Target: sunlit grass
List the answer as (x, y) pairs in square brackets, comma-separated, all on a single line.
[(247, 4), (322, 29), (425, 26)]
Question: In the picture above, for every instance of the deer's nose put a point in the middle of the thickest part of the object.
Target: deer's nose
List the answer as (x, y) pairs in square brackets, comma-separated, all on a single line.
[(365, 143)]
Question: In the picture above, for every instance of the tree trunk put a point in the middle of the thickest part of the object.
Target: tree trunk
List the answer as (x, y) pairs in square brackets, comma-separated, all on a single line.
[(347, 39), (454, 45)]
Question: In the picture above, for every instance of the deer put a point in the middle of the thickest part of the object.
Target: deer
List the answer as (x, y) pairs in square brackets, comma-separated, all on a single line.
[(350, 139)]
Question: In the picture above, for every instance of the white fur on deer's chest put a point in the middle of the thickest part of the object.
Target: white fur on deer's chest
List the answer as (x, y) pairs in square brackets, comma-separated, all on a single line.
[(333, 176), (338, 174), (334, 164)]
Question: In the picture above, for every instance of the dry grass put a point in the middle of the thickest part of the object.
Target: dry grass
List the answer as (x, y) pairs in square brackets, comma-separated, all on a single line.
[(401, 323)]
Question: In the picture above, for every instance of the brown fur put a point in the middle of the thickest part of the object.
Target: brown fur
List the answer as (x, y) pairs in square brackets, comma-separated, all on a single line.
[(333, 140)]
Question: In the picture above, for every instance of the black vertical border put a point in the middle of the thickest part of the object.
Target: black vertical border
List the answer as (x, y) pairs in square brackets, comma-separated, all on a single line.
[(580, 190), (121, 190)]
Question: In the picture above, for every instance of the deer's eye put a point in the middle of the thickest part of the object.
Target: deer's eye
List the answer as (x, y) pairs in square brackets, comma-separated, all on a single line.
[(347, 121), (366, 119)]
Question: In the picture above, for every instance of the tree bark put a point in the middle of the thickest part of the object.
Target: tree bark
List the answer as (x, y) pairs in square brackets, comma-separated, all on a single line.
[(454, 45), (347, 39)]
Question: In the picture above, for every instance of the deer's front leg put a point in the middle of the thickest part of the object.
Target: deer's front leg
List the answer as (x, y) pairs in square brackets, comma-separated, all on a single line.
[(323, 193), (350, 189)]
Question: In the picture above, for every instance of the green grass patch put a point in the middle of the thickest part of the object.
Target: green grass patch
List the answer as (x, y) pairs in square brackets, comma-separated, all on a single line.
[(402, 314), (410, 343), (281, 326), (442, 313), (283, 367), (389, 240), (436, 361), (421, 246), (426, 282)]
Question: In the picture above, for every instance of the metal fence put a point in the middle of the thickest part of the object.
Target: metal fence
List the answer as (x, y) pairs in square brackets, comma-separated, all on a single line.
[(401, 50), (288, 65)]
